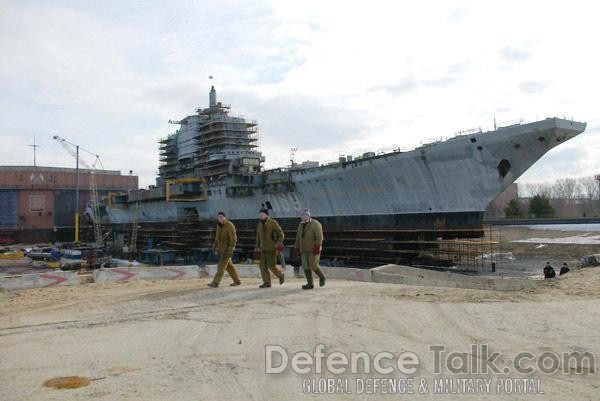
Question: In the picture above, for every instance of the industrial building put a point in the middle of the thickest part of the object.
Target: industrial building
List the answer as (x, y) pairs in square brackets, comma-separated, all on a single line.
[(37, 204)]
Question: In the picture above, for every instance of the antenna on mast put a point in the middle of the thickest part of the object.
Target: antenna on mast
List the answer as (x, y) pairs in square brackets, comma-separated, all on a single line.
[(34, 146), (293, 156)]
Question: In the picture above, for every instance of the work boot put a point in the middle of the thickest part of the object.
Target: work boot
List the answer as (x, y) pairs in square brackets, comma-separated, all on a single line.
[(321, 278), (265, 285), (309, 278), (235, 284), (212, 285), (281, 278)]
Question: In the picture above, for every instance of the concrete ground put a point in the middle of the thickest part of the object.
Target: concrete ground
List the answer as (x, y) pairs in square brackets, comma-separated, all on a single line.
[(180, 340)]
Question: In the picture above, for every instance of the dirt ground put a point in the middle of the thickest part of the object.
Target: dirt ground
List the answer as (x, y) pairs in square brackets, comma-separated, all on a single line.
[(556, 253), (183, 341)]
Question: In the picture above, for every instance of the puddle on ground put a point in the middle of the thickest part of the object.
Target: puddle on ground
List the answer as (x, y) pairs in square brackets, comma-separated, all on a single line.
[(67, 382)]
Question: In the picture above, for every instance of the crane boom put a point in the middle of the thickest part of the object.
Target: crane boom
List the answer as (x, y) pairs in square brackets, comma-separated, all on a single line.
[(94, 200)]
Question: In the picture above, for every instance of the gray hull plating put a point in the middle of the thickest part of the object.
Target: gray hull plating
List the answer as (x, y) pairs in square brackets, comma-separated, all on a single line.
[(462, 174)]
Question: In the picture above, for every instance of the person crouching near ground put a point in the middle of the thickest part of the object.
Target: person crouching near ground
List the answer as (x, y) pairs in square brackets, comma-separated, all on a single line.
[(269, 241), (549, 271), (225, 240), (309, 239)]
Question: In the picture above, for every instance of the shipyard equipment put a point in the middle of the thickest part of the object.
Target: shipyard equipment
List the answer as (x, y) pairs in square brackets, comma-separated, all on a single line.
[(73, 150)]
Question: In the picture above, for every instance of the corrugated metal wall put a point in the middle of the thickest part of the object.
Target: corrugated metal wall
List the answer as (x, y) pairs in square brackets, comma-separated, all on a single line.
[(63, 206), (8, 208)]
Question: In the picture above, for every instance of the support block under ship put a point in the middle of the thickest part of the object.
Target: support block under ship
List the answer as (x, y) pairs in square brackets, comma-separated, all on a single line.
[(212, 163)]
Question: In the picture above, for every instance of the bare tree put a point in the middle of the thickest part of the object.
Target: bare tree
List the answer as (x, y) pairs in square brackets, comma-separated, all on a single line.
[(589, 187), (570, 197), (541, 189), (566, 188)]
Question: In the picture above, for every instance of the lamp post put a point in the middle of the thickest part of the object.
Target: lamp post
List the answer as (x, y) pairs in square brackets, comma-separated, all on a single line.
[(68, 146), (77, 195), (63, 142)]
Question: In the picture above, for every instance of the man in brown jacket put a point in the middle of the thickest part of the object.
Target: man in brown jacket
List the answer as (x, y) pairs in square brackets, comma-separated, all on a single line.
[(269, 241), (225, 239), (309, 239)]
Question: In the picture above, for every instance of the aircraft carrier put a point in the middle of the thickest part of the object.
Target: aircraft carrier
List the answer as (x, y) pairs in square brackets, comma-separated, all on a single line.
[(212, 163)]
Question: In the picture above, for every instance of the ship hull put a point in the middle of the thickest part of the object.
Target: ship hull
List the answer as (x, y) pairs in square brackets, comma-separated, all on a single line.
[(442, 185), (418, 221)]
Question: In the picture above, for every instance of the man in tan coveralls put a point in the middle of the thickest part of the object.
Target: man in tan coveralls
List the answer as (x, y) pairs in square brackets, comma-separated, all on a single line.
[(269, 241), (309, 239), (225, 239)]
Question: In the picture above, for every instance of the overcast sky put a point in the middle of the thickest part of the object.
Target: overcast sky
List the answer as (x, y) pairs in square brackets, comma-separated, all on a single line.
[(325, 77)]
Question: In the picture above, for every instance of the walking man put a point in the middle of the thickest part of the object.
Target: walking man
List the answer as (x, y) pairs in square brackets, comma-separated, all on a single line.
[(269, 241), (309, 239), (225, 239)]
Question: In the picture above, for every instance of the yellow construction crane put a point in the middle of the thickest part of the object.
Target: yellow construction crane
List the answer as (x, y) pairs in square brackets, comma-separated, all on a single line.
[(73, 150)]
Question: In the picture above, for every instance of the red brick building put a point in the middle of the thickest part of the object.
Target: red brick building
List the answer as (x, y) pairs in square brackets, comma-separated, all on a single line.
[(42, 199)]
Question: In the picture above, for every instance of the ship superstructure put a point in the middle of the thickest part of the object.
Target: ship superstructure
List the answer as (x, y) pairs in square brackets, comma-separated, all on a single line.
[(210, 144)]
